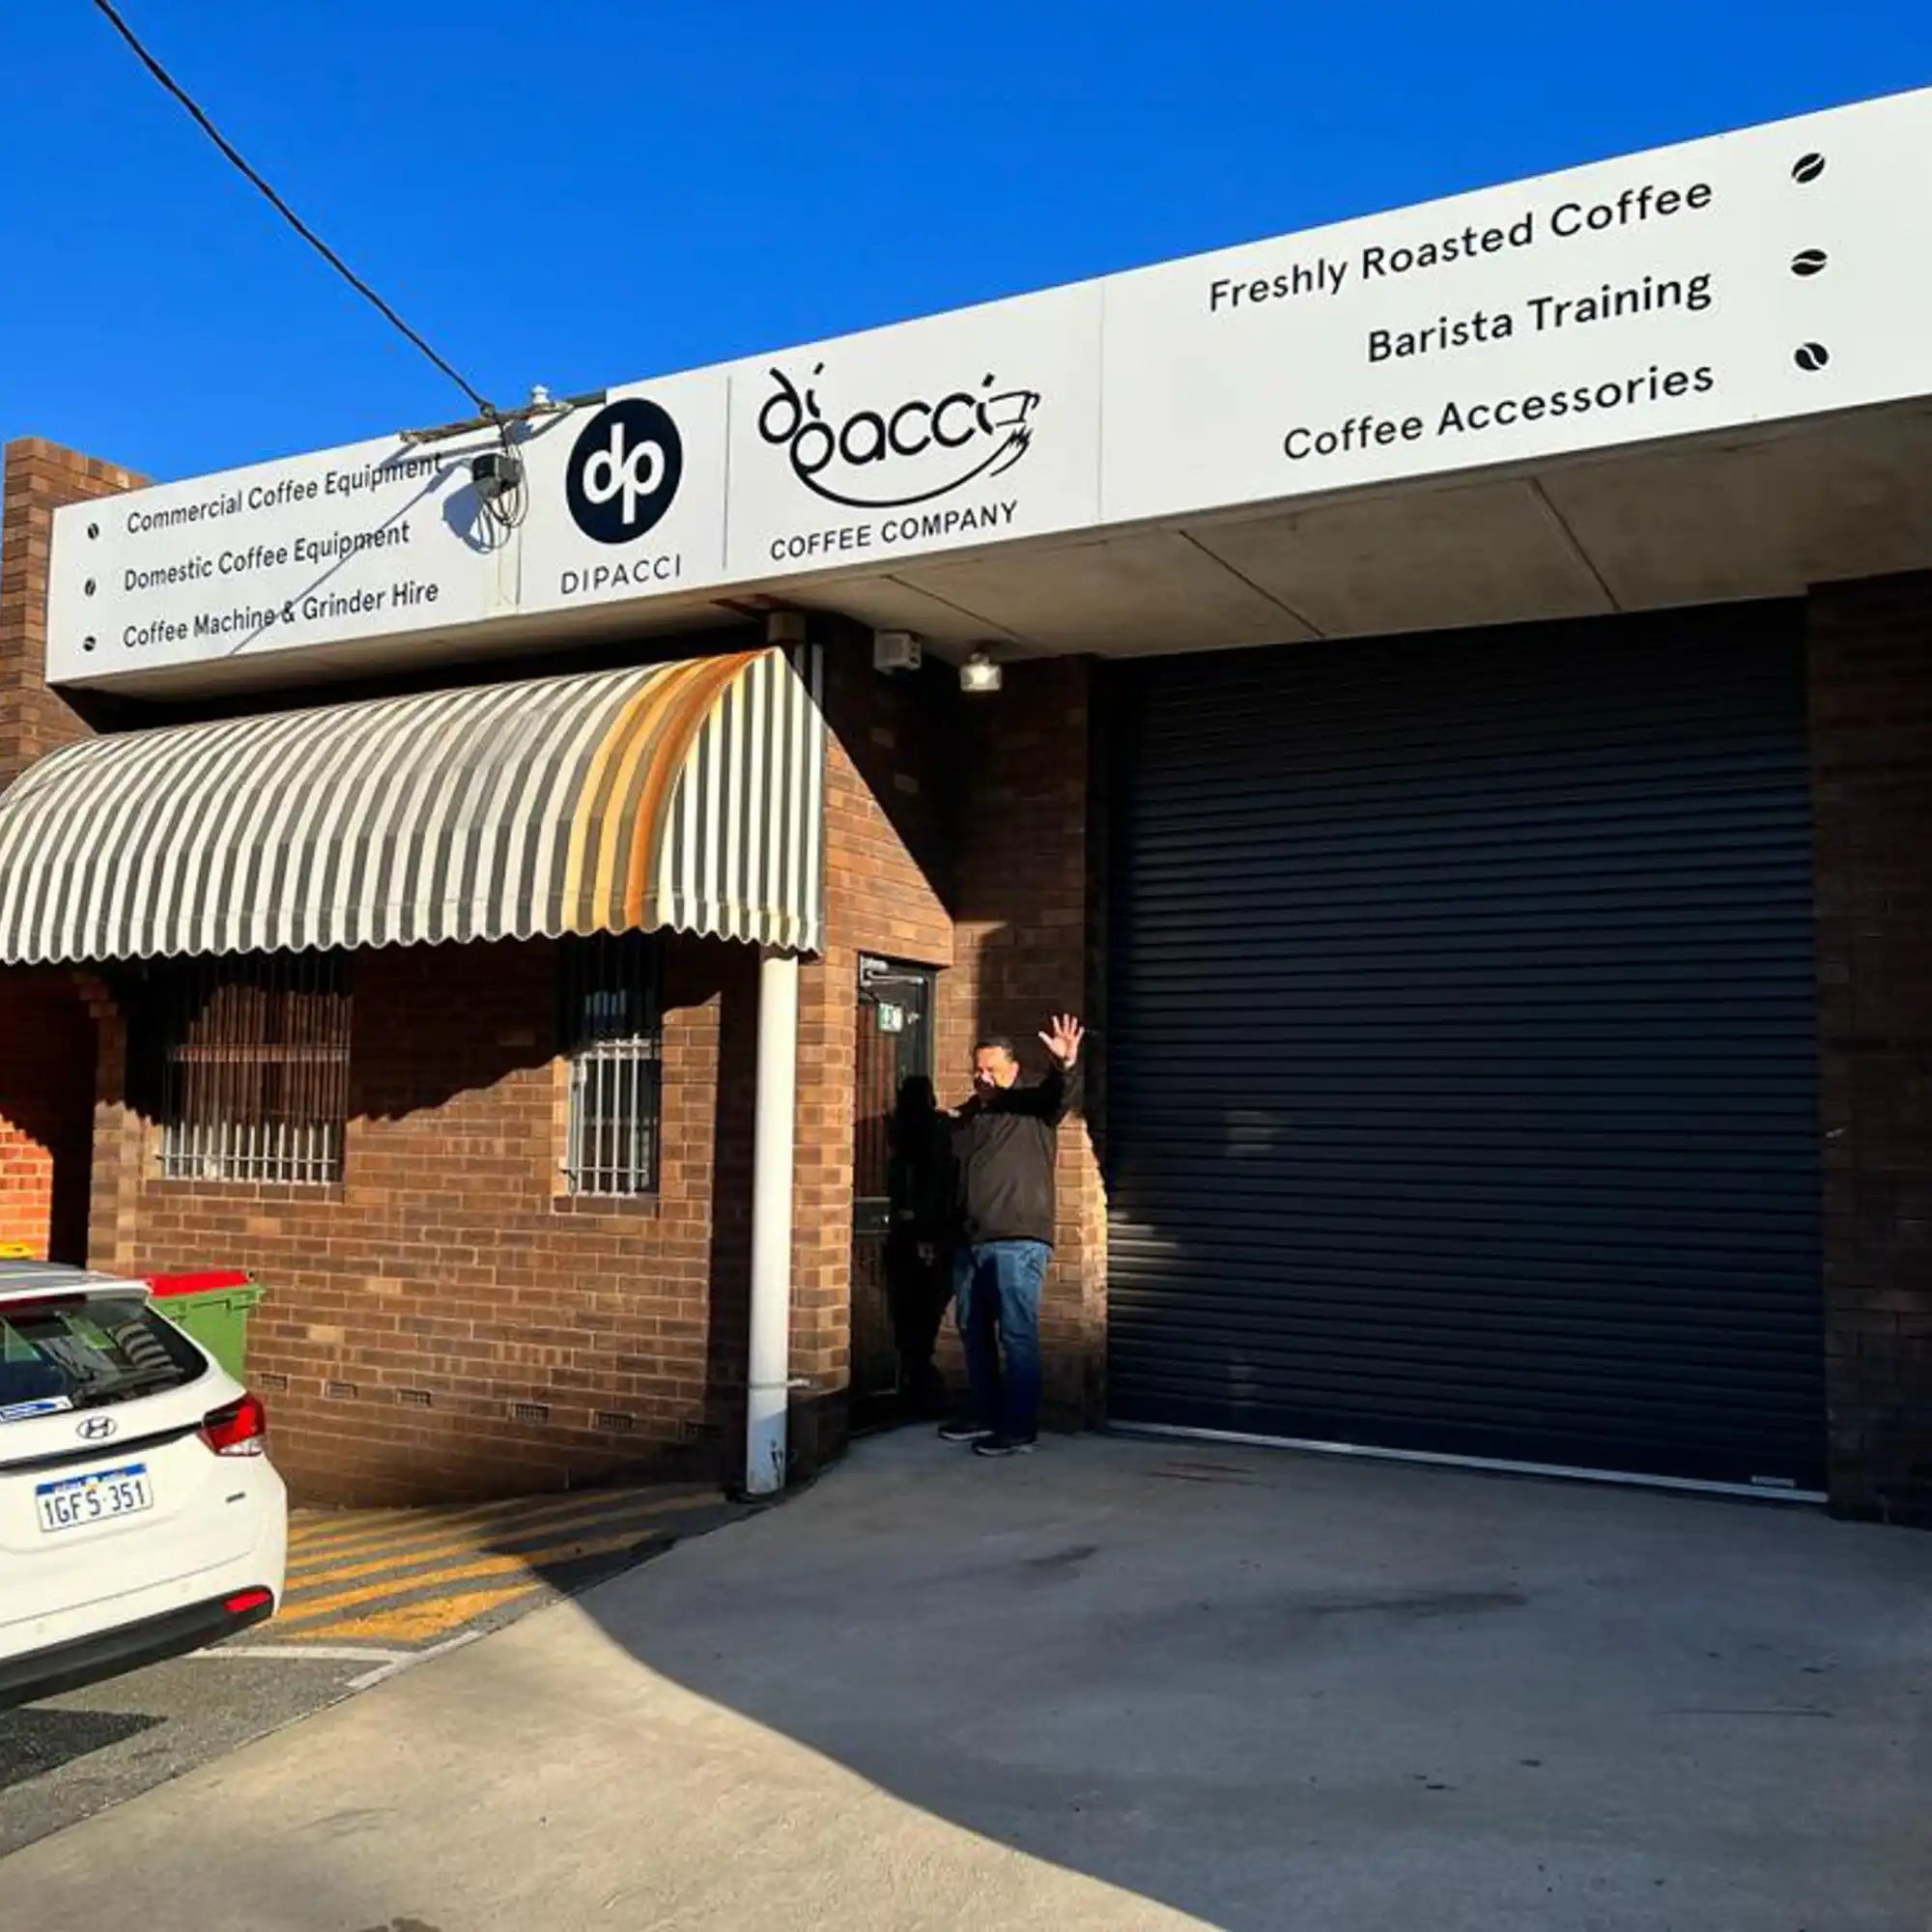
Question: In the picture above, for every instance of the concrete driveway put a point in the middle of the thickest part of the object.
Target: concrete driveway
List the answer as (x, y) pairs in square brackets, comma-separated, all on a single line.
[(1120, 1684), (370, 1594)]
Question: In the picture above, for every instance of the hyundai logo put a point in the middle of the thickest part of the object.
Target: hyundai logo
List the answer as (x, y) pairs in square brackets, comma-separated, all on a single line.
[(96, 1429)]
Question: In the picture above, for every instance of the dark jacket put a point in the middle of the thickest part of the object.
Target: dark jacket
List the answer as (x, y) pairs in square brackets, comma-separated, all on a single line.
[(1003, 1148)]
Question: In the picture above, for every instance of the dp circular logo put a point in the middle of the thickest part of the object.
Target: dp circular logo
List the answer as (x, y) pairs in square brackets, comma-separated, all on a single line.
[(624, 470)]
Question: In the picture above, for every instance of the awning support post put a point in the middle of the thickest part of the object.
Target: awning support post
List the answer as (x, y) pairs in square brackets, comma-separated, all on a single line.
[(772, 1144)]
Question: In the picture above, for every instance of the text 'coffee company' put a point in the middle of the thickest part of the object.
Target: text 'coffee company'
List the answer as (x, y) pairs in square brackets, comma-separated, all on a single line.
[(895, 460), (953, 431)]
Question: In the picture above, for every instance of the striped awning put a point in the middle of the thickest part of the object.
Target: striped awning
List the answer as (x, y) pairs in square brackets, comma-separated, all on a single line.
[(688, 796)]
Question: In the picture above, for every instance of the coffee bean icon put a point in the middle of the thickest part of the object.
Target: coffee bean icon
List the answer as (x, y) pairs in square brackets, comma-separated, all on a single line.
[(86, 643), (1808, 167), (1811, 356), (89, 588), (1808, 261)]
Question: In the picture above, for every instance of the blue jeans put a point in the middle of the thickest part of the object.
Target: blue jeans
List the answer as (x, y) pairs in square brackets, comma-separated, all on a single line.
[(997, 1287)]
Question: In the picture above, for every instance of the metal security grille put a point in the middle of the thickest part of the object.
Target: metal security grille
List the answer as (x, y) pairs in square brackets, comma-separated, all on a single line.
[(614, 1033), (1463, 1073), (254, 1067)]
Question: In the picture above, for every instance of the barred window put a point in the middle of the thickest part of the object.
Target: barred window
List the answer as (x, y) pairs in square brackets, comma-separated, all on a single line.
[(613, 1035), (252, 1057)]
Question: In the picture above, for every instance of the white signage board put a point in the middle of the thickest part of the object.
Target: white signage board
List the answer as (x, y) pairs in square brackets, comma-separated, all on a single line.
[(968, 428), (371, 540), (1769, 274), (627, 500)]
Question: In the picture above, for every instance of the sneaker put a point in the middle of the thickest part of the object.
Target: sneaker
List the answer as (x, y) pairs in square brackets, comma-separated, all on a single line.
[(963, 1432), (1005, 1445)]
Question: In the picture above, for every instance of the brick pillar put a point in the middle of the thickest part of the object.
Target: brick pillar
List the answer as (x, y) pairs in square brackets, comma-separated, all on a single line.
[(887, 825), (1026, 903), (39, 477), (46, 1041), (120, 1138), (46, 1114), (956, 836), (1871, 653)]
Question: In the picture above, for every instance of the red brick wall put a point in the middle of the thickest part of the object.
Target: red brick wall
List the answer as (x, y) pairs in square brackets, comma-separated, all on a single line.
[(38, 476), (888, 829), (1025, 905), (956, 837), (1871, 743), (410, 1311), (47, 1047), (46, 1098), (443, 1284), (448, 1280)]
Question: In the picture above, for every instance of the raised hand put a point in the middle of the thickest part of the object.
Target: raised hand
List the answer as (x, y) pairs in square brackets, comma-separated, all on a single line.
[(1061, 1038)]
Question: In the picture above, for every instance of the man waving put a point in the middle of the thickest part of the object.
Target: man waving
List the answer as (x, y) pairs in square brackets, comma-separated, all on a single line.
[(1004, 1141)]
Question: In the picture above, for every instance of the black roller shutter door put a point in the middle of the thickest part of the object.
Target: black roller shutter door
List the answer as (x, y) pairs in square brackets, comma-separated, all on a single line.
[(1462, 1068)]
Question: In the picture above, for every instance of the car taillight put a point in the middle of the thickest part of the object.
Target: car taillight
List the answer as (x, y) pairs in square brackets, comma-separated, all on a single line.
[(240, 1428), (244, 1601)]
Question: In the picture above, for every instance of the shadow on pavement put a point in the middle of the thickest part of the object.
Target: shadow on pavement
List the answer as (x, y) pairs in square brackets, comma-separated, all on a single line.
[(1250, 1685), (1108, 1685), (35, 1741)]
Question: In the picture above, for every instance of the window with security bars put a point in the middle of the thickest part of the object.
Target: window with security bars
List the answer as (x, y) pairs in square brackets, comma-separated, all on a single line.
[(613, 1035), (252, 1060)]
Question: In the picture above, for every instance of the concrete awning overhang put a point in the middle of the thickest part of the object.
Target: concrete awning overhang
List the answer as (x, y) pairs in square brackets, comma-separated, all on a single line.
[(1765, 512)]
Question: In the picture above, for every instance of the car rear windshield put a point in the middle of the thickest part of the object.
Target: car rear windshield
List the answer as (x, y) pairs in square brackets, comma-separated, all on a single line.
[(79, 1353)]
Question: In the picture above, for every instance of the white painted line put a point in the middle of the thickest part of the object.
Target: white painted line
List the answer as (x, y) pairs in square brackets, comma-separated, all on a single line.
[(339, 1653), (408, 1660), (388, 1662), (1764, 1493)]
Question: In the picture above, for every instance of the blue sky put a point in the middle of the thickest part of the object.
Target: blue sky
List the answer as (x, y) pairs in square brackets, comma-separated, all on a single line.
[(587, 191)]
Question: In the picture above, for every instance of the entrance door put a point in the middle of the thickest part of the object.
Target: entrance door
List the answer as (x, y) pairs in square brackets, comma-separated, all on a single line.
[(895, 1044)]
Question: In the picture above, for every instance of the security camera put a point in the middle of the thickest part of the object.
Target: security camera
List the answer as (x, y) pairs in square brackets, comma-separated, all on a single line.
[(895, 650), (497, 474)]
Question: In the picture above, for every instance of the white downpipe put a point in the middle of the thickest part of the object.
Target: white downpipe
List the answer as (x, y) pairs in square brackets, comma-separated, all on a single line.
[(772, 1139)]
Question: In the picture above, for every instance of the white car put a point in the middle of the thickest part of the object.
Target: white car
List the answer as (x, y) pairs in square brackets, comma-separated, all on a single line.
[(139, 1514)]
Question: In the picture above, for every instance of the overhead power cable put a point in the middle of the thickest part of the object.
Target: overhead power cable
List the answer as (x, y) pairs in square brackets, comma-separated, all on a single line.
[(484, 406)]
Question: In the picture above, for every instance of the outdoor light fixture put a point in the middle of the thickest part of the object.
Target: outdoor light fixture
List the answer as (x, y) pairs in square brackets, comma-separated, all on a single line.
[(980, 676)]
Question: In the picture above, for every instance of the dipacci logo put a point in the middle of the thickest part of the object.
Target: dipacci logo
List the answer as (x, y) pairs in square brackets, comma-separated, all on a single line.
[(884, 459), (624, 470)]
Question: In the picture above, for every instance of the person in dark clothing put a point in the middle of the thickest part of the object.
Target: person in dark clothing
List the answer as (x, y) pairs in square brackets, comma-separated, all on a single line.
[(919, 1266), (1005, 1144)]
